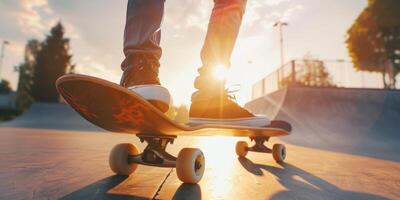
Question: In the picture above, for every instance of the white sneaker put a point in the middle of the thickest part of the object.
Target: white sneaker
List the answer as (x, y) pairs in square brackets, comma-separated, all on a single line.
[(157, 95)]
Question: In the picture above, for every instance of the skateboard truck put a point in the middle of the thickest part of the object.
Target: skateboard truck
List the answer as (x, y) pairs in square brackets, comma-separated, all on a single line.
[(259, 145), (278, 151), (154, 154)]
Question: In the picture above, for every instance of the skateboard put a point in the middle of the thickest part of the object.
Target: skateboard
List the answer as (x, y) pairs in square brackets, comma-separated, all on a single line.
[(116, 109)]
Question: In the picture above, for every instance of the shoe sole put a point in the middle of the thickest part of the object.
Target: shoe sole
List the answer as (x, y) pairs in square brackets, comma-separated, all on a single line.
[(257, 121)]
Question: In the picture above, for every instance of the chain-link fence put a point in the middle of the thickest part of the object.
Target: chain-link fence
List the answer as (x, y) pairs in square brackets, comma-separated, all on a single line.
[(317, 73)]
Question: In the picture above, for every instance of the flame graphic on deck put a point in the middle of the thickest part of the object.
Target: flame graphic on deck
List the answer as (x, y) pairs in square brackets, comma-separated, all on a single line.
[(130, 113)]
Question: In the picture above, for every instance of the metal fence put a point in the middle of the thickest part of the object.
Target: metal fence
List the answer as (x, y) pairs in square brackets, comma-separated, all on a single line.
[(317, 73)]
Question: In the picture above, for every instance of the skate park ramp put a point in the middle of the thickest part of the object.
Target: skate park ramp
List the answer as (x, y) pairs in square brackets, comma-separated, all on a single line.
[(51, 116), (356, 121)]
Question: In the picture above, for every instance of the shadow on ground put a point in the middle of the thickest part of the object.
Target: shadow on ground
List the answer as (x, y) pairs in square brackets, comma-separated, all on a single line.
[(312, 187), (299, 184), (188, 191), (99, 189)]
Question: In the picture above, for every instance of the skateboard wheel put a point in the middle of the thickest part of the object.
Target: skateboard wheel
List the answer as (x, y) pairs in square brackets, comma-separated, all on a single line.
[(118, 159), (242, 148), (190, 165), (279, 152)]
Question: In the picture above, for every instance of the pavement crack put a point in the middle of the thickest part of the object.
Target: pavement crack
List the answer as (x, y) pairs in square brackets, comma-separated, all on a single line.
[(161, 185)]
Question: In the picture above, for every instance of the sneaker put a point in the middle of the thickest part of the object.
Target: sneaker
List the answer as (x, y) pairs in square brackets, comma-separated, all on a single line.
[(222, 110), (141, 77), (157, 95)]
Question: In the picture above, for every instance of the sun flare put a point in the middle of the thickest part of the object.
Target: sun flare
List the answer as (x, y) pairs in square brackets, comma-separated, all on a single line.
[(220, 72), (219, 152)]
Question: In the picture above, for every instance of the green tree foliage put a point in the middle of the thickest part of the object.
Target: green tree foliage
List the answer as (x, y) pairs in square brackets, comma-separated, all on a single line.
[(182, 115), (24, 90), (179, 114), (5, 87), (171, 113), (374, 40), (310, 72), (52, 61), (314, 74)]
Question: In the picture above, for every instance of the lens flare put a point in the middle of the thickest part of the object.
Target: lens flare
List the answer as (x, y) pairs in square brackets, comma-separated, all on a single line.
[(219, 152), (220, 72)]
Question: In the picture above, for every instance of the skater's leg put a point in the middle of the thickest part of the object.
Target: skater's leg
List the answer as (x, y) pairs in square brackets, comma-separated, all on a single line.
[(223, 30), (142, 51), (211, 103), (142, 42)]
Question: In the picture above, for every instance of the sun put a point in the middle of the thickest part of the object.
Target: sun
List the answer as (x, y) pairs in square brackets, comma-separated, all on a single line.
[(220, 72)]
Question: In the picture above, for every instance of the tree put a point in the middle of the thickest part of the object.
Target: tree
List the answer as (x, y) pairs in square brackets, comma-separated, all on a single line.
[(5, 87), (172, 111), (314, 74), (374, 40), (182, 115), (310, 72), (53, 60), (24, 89)]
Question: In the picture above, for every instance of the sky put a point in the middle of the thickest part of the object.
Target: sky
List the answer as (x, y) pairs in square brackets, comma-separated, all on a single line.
[(96, 32)]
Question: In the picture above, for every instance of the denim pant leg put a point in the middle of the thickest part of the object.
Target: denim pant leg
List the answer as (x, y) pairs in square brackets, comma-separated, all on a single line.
[(223, 29), (142, 30)]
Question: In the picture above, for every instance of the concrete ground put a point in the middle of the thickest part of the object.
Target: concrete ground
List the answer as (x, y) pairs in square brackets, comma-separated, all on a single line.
[(51, 164)]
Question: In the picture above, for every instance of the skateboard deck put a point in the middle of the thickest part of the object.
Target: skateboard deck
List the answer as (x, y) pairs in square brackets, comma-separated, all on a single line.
[(116, 109)]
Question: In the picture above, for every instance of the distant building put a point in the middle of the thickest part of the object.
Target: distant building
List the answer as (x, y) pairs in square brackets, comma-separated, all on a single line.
[(7, 101)]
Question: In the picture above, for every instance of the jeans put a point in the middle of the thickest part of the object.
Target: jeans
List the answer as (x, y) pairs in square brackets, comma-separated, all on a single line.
[(143, 32)]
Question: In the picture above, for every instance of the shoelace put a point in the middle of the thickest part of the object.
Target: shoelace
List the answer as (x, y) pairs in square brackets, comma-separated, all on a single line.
[(231, 93)]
